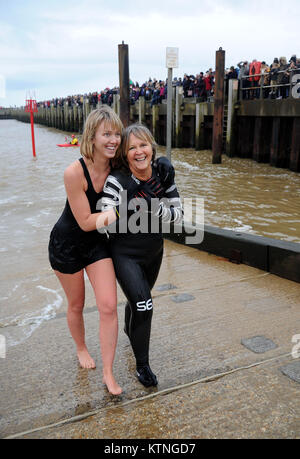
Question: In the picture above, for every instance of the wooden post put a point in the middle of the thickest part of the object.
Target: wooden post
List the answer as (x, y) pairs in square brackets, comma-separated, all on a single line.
[(75, 118), (295, 149), (217, 144), (59, 117), (124, 84), (155, 118), (52, 115), (115, 104), (80, 119), (141, 103), (231, 118), (198, 126), (257, 144), (275, 143), (66, 125)]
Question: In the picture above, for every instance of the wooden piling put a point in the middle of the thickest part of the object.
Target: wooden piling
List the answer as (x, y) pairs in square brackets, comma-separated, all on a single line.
[(124, 84), (231, 134), (141, 103), (80, 119), (155, 118), (257, 144), (199, 127), (275, 142), (295, 148), (262, 139), (217, 144)]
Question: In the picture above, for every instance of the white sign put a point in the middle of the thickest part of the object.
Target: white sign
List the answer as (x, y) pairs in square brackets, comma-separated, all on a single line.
[(172, 58)]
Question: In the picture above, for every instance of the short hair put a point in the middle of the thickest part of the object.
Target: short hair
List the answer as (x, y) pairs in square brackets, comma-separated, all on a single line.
[(141, 132), (95, 118)]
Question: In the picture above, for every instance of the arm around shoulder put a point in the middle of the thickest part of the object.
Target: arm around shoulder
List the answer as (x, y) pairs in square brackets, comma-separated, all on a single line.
[(74, 184)]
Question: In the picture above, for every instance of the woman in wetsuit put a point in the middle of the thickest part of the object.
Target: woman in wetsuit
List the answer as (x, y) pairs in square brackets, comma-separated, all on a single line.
[(153, 199), (75, 244)]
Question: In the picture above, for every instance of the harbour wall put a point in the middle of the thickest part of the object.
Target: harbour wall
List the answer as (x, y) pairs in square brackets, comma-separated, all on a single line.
[(277, 257)]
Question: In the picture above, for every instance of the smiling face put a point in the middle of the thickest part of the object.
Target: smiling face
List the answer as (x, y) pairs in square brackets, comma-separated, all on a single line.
[(107, 140), (139, 156)]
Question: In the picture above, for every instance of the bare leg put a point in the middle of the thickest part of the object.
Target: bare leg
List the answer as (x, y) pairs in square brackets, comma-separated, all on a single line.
[(103, 280), (73, 285)]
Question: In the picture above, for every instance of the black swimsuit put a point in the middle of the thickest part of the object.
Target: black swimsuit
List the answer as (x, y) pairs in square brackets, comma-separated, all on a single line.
[(70, 248)]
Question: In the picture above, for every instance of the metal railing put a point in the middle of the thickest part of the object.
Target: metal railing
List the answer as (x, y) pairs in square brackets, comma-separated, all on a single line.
[(259, 90)]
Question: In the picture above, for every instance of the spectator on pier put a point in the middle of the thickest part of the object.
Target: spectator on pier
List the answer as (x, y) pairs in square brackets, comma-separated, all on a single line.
[(202, 88), (265, 79), (254, 72), (232, 74), (244, 82), (186, 85), (148, 93), (294, 65), (156, 95), (196, 85), (162, 92), (293, 60), (273, 77), (283, 78), (208, 81)]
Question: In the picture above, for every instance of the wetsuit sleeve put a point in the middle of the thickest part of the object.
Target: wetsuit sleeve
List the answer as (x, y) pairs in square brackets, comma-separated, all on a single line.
[(111, 197), (170, 209)]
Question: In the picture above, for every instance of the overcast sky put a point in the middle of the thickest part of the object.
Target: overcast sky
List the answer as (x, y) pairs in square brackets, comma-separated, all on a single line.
[(64, 47)]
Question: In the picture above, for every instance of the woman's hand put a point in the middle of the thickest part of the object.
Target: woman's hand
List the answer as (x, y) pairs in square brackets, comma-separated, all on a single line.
[(151, 189), (165, 171)]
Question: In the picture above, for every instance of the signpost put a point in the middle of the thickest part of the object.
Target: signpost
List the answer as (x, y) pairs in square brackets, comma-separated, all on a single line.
[(171, 63), (31, 108)]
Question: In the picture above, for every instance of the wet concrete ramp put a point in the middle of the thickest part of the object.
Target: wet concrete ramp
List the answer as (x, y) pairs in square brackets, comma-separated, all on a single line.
[(212, 384)]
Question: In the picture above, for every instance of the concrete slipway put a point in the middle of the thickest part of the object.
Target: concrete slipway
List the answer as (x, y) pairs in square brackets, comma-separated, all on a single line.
[(221, 346)]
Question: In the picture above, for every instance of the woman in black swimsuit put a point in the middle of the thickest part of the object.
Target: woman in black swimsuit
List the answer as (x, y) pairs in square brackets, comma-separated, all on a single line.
[(75, 244), (137, 256)]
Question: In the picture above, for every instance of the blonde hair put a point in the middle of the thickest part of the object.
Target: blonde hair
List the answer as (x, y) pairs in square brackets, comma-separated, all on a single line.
[(141, 132), (95, 118)]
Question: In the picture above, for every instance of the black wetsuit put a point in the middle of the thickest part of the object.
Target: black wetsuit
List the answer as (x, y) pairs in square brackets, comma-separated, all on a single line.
[(137, 259), (72, 249)]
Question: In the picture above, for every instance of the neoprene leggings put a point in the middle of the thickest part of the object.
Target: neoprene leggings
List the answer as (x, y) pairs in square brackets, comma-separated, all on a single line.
[(137, 260)]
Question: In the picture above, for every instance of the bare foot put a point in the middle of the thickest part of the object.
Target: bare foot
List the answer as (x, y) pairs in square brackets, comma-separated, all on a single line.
[(111, 384), (85, 359)]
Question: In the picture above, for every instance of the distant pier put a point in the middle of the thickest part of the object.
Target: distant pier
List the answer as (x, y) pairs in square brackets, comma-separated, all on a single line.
[(265, 130)]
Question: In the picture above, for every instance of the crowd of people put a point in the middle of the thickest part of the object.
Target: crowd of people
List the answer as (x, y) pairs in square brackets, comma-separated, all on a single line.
[(258, 79), (273, 80)]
